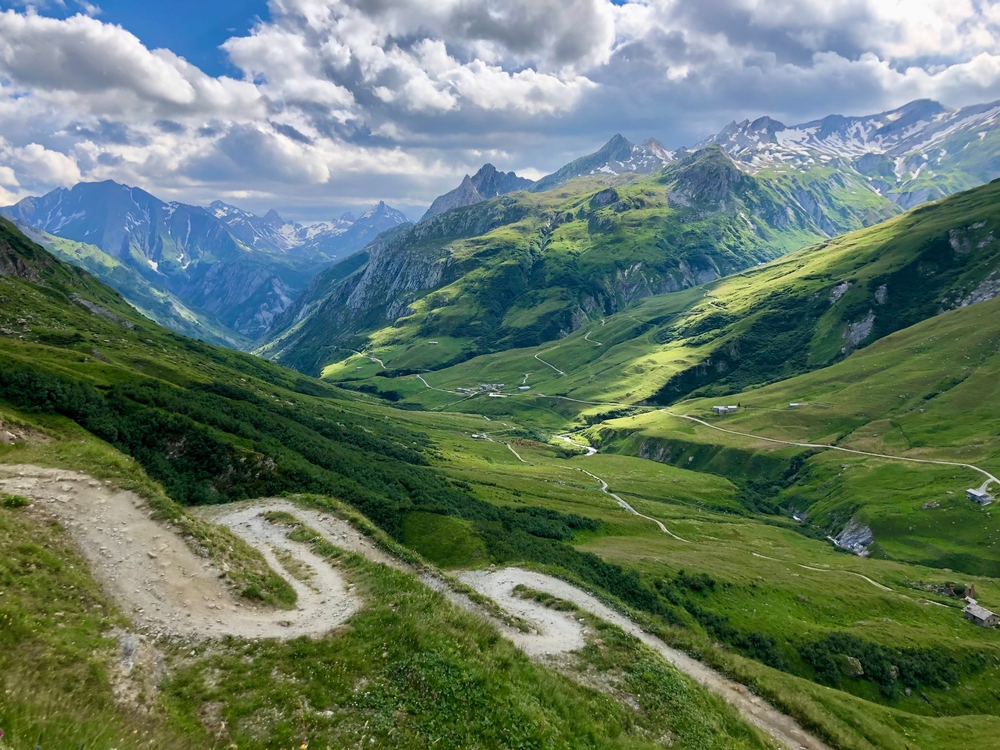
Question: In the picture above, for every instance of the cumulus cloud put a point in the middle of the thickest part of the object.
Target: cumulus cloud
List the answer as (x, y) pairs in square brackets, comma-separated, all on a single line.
[(344, 101)]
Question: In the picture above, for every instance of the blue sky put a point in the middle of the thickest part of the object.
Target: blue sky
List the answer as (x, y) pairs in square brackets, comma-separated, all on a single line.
[(315, 107), (193, 29)]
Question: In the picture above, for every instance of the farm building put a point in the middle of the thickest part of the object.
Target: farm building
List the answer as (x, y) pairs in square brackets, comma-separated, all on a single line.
[(981, 616), (524, 388), (979, 496), (724, 409)]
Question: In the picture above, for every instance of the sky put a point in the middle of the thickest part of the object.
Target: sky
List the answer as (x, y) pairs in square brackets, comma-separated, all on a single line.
[(315, 107)]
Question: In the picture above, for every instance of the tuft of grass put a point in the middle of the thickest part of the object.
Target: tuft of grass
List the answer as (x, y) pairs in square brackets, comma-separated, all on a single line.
[(15, 501), (545, 599)]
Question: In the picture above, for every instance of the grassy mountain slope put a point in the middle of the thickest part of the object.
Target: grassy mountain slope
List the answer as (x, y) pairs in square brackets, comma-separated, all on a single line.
[(926, 392), (807, 310), (161, 306), (527, 268), (90, 385)]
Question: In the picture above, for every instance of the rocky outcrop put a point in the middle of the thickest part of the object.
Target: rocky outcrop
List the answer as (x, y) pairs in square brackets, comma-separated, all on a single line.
[(102, 312), (855, 537), (485, 184), (855, 333), (708, 177)]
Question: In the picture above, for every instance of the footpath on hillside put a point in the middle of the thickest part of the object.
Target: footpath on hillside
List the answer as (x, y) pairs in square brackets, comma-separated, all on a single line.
[(154, 576)]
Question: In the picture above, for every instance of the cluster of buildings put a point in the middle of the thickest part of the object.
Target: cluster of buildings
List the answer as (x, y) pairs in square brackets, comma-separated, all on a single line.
[(483, 387)]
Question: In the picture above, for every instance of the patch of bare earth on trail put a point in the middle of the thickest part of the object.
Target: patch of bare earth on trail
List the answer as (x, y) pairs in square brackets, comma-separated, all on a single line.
[(158, 581), (559, 633)]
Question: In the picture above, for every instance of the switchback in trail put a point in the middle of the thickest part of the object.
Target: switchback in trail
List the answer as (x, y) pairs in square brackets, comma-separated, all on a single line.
[(167, 589)]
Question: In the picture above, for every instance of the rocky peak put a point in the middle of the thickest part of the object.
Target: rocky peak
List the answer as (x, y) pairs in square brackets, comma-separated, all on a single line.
[(707, 176), (488, 182)]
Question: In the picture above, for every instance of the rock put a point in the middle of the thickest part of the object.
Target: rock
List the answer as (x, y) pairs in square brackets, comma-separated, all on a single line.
[(855, 537), (850, 666)]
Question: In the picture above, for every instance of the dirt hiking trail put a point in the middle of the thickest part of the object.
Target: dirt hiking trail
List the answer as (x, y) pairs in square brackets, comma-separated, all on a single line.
[(167, 589), (157, 579), (560, 632)]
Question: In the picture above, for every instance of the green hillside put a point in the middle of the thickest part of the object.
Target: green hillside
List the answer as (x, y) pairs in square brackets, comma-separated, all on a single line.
[(156, 304), (927, 392), (87, 384), (887, 340), (527, 268), (93, 386), (807, 310)]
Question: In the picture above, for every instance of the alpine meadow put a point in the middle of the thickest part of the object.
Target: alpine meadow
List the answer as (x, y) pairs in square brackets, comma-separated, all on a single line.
[(353, 395)]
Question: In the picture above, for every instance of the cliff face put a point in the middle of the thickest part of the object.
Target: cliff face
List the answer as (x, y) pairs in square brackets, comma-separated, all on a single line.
[(372, 289)]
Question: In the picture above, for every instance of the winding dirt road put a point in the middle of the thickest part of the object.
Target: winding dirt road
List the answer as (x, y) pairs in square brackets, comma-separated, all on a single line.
[(148, 568), (989, 477)]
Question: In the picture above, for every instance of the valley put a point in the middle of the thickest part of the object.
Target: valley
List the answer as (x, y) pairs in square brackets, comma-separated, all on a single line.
[(508, 513)]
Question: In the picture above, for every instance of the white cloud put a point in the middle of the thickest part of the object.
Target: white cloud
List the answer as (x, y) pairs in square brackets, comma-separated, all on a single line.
[(347, 100)]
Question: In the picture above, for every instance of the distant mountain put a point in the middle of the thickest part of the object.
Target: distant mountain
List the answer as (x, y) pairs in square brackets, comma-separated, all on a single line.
[(485, 184), (325, 240), (348, 235), (919, 152), (617, 156), (226, 267)]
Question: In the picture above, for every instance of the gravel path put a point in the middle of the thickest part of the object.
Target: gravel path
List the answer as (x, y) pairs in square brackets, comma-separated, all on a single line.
[(157, 579), (561, 632), (548, 364)]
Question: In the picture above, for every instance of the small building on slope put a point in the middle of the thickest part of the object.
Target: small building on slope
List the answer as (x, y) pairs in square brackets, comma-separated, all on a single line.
[(979, 496), (981, 616)]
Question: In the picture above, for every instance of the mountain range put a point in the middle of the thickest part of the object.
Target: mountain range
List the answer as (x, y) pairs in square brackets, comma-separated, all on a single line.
[(231, 277), (219, 273)]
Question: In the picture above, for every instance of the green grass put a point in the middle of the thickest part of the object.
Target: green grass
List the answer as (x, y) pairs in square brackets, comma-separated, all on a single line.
[(57, 651), (445, 541), (412, 670)]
